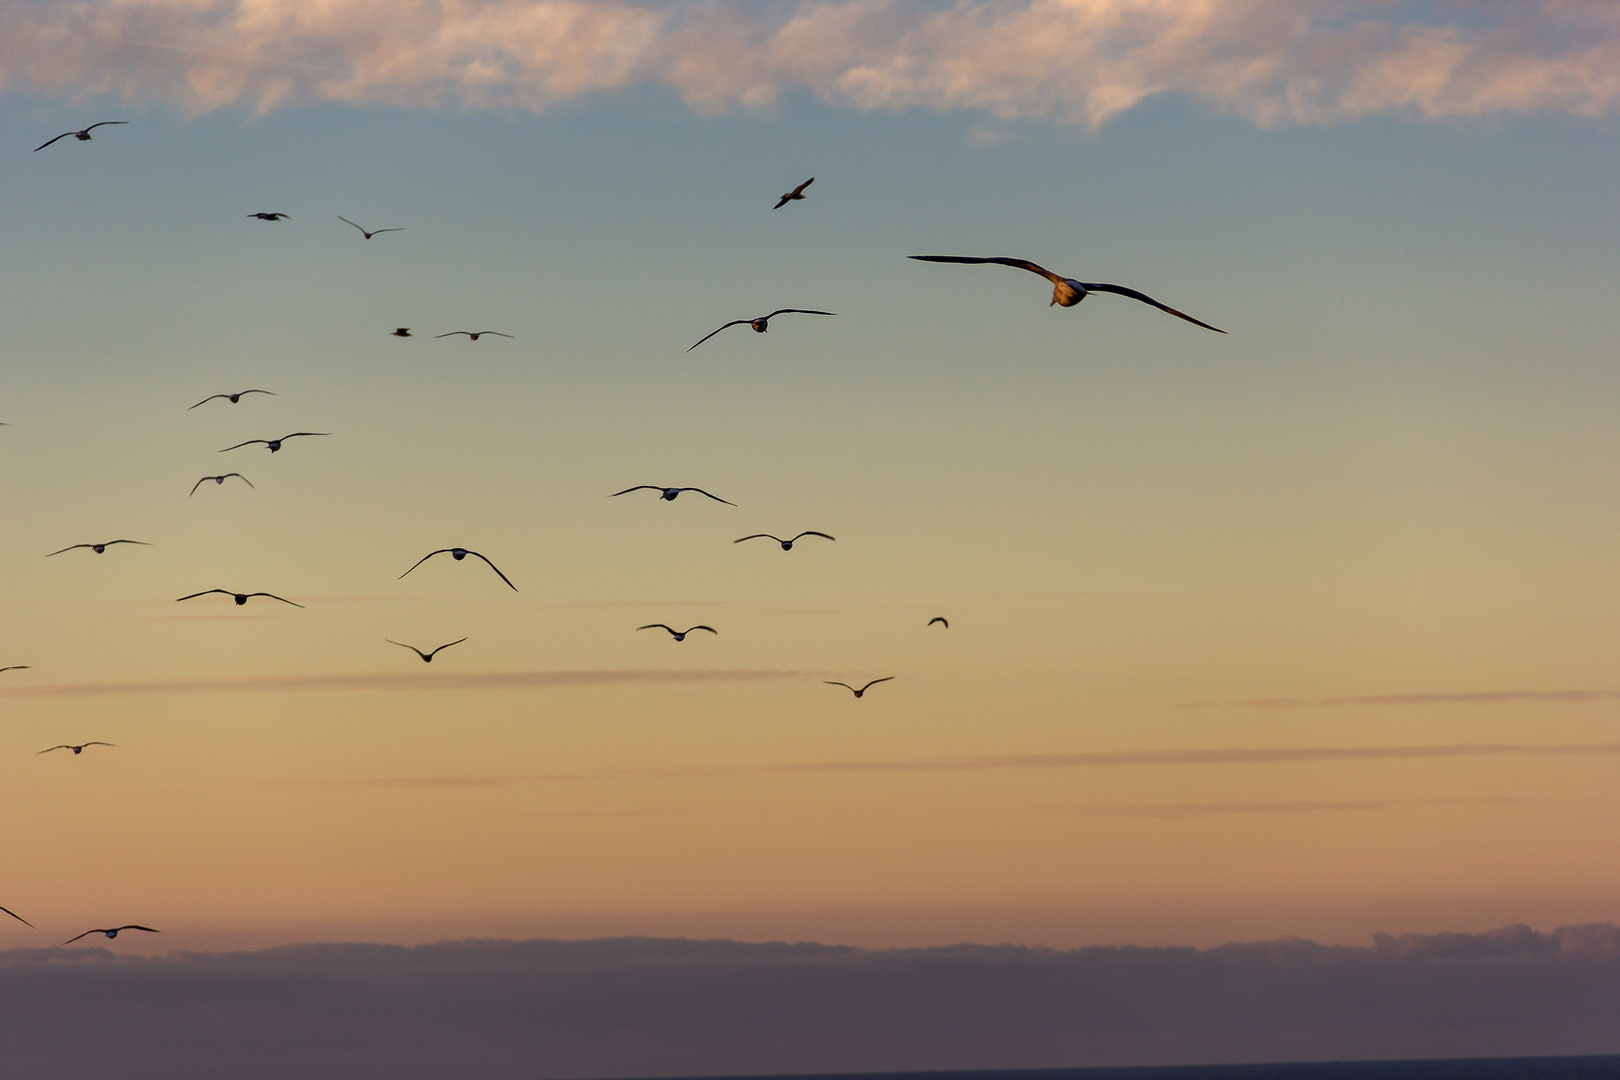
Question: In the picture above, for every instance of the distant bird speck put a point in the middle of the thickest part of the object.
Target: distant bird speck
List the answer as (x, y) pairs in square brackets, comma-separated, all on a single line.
[(76, 749), (668, 494), (220, 480), (678, 635), (458, 554), (475, 335), (232, 398), (941, 620), (762, 323), (1067, 292), (863, 689), (274, 444), (112, 932), (272, 217), (787, 545), (427, 657), (796, 195), (373, 232), (101, 547), (240, 598), (403, 331), (83, 135)]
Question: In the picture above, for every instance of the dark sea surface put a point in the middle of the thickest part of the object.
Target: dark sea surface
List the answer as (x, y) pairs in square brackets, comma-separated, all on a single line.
[(1602, 1067)]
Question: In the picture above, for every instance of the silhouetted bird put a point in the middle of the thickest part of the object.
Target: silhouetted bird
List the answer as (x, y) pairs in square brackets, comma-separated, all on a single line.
[(16, 667), (82, 135), (458, 554), (678, 635), (668, 494), (112, 933), (239, 597), (232, 398), (762, 323), (18, 917), (1067, 292), (373, 232), (427, 657), (863, 689), (474, 335), (941, 620), (796, 195), (274, 444), (76, 749), (220, 480), (403, 331), (787, 545), (101, 547), (271, 217)]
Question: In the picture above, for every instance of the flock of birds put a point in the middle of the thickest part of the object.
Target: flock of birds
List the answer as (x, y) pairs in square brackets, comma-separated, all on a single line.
[(1066, 292)]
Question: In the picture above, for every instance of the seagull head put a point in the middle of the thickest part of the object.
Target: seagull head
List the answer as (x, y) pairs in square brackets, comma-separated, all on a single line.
[(1067, 293)]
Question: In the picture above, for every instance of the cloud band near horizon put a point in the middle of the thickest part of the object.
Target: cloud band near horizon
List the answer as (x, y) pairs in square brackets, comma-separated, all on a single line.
[(1071, 61), (679, 1007)]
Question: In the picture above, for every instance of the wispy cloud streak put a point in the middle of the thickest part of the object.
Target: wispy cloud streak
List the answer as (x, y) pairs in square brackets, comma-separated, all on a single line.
[(1080, 61), (489, 680), (1193, 811), (1281, 755), (1479, 697)]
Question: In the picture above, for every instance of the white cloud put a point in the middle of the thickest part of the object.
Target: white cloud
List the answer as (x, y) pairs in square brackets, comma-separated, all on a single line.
[(1076, 61)]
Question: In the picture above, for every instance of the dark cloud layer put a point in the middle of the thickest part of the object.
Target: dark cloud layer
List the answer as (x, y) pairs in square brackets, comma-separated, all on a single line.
[(654, 1007)]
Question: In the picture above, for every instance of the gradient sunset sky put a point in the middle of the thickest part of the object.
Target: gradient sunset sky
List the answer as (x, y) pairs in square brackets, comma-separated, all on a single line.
[(1309, 629)]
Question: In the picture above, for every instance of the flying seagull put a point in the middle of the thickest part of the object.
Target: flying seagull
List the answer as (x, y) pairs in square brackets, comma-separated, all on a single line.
[(274, 444), (272, 217), (668, 494), (232, 398), (82, 136), (403, 331), (762, 323), (796, 195), (16, 667), (787, 545), (941, 620), (471, 334), (458, 554), (112, 932), (863, 689), (100, 548), (77, 749), (1067, 292), (427, 657), (220, 480), (239, 597), (373, 232), (18, 917), (678, 635)]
